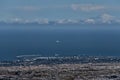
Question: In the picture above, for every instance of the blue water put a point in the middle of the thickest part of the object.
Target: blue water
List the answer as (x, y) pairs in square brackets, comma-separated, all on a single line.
[(74, 40)]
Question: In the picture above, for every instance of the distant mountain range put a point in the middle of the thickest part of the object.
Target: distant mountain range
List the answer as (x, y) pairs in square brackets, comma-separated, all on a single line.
[(102, 19)]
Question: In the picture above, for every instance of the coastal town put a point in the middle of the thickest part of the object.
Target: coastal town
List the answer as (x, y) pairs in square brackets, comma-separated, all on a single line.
[(61, 68)]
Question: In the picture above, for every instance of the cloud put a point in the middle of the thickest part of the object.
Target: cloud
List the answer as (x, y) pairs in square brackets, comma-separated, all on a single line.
[(87, 7), (64, 21), (107, 18), (90, 21), (42, 21)]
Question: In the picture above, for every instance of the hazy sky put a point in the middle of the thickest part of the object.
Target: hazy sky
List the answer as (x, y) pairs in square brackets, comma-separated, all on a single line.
[(57, 9)]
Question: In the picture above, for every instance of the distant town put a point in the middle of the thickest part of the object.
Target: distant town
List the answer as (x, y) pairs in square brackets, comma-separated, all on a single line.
[(27, 60)]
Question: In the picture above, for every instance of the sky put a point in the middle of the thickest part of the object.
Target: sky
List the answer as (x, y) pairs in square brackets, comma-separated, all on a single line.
[(57, 9)]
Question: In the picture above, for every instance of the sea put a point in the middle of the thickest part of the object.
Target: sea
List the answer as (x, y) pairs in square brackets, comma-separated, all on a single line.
[(64, 40)]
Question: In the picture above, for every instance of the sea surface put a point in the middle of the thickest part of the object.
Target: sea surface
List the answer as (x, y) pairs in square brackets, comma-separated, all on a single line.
[(65, 40)]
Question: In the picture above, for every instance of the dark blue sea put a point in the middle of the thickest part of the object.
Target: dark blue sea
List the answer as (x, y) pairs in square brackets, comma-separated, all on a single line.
[(65, 40)]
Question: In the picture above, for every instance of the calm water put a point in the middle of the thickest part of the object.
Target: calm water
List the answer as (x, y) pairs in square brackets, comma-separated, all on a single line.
[(72, 40)]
